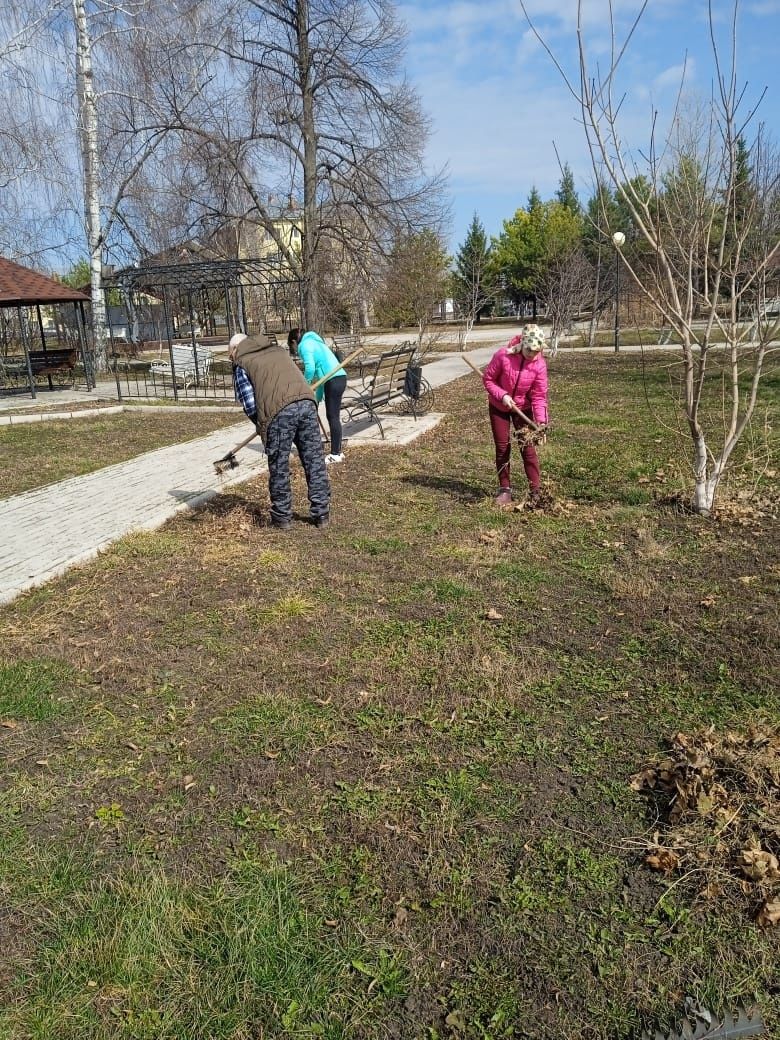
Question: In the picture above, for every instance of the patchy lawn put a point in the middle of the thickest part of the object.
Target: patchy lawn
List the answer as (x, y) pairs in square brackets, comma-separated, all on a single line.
[(36, 454), (264, 784)]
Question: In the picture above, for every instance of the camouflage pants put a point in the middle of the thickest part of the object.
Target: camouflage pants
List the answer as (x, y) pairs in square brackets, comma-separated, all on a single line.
[(296, 424)]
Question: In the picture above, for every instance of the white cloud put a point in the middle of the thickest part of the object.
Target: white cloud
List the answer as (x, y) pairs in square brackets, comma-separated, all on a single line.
[(764, 9), (675, 76), (497, 103)]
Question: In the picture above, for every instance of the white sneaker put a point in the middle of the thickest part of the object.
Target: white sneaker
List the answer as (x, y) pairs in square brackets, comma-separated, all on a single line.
[(330, 459)]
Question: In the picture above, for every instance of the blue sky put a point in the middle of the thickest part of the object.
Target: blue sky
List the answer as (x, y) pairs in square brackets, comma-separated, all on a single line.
[(499, 107)]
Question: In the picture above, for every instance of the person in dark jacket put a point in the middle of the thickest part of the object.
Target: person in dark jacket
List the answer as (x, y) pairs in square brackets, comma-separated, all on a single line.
[(278, 400)]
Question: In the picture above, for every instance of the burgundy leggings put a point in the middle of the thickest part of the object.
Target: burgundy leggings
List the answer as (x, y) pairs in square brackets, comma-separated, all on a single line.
[(502, 431)]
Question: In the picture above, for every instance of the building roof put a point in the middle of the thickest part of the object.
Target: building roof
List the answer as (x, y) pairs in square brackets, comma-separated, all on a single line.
[(19, 286)]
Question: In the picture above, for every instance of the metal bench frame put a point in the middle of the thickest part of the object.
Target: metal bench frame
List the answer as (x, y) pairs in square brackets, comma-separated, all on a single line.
[(391, 378), (190, 368)]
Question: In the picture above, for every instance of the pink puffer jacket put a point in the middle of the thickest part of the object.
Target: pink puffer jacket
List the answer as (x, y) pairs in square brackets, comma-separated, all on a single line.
[(525, 380)]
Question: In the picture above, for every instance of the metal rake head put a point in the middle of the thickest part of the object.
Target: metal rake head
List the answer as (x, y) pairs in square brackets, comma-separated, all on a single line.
[(746, 1022), (229, 462)]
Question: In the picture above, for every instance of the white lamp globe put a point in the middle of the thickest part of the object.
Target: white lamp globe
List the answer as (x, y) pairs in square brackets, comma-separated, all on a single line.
[(618, 239)]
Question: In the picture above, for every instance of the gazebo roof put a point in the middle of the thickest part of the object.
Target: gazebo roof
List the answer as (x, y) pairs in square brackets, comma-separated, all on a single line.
[(203, 274), (19, 286)]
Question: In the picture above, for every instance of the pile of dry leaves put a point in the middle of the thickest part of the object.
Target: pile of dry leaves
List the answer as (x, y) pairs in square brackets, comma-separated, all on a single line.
[(526, 435), (719, 795)]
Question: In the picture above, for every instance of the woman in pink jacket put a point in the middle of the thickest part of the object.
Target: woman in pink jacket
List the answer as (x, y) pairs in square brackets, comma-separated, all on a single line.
[(517, 374)]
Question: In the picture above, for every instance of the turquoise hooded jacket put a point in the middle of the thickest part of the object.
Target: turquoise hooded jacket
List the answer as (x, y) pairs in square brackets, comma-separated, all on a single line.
[(318, 359)]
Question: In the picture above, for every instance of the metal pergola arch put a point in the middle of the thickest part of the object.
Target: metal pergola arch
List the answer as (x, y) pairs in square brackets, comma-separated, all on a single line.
[(183, 288)]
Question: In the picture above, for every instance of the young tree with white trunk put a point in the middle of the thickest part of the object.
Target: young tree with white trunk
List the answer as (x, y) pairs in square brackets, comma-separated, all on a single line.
[(710, 228)]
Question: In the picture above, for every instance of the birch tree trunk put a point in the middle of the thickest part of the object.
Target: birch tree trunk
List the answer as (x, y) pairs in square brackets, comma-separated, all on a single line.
[(88, 137), (311, 310)]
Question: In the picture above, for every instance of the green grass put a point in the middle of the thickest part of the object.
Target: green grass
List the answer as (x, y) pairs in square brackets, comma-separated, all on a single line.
[(33, 689), (146, 956), (36, 454), (312, 787)]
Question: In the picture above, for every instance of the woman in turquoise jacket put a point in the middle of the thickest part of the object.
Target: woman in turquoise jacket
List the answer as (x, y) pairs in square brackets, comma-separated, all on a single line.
[(318, 359)]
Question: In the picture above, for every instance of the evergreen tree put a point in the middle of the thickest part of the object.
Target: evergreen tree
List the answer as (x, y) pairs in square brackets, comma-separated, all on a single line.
[(566, 193), (473, 280), (77, 275), (602, 216)]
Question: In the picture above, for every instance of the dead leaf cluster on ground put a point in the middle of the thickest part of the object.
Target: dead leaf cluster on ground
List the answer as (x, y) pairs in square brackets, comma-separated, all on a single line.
[(719, 795)]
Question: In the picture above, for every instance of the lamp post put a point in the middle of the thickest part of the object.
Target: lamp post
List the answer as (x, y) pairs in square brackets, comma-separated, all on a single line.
[(618, 240)]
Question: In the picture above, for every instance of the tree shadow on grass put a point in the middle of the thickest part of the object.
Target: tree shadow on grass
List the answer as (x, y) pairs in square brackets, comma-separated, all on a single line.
[(462, 491)]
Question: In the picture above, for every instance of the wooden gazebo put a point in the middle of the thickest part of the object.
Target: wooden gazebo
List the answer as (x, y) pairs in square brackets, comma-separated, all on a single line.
[(22, 294)]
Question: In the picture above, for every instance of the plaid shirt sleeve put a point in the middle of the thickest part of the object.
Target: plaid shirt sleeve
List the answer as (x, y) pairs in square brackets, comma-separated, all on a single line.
[(245, 395)]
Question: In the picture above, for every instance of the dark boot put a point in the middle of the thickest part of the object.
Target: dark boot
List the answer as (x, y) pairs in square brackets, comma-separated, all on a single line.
[(503, 498)]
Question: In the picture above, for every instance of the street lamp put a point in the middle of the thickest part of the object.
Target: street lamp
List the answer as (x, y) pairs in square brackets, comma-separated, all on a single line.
[(618, 241)]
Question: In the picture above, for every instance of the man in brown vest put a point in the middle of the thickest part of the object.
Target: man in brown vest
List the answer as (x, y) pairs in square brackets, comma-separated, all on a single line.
[(278, 400)]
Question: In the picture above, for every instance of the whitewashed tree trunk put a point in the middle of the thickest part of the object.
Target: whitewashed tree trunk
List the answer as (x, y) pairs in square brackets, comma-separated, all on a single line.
[(465, 331), (88, 136)]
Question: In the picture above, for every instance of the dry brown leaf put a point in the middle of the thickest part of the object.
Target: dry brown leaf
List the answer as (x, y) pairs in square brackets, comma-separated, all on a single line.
[(494, 615), (489, 536), (9, 724), (758, 865), (769, 914), (708, 601), (401, 915), (646, 779), (665, 860)]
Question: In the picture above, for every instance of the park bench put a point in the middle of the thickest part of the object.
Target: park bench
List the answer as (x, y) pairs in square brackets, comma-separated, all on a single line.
[(190, 367), (345, 345), (390, 379), (58, 359), (14, 372)]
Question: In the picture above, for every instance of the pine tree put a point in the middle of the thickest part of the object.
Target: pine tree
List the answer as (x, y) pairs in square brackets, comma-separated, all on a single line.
[(472, 280), (566, 193)]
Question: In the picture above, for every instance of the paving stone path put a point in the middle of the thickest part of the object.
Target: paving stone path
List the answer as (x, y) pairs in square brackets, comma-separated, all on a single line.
[(45, 531)]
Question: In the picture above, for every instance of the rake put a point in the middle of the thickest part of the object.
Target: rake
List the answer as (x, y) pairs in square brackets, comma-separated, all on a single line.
[(527, 419), (230, 461)]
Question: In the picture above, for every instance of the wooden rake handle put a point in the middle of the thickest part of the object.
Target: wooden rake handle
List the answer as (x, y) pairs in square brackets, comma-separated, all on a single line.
[(520, 412)]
